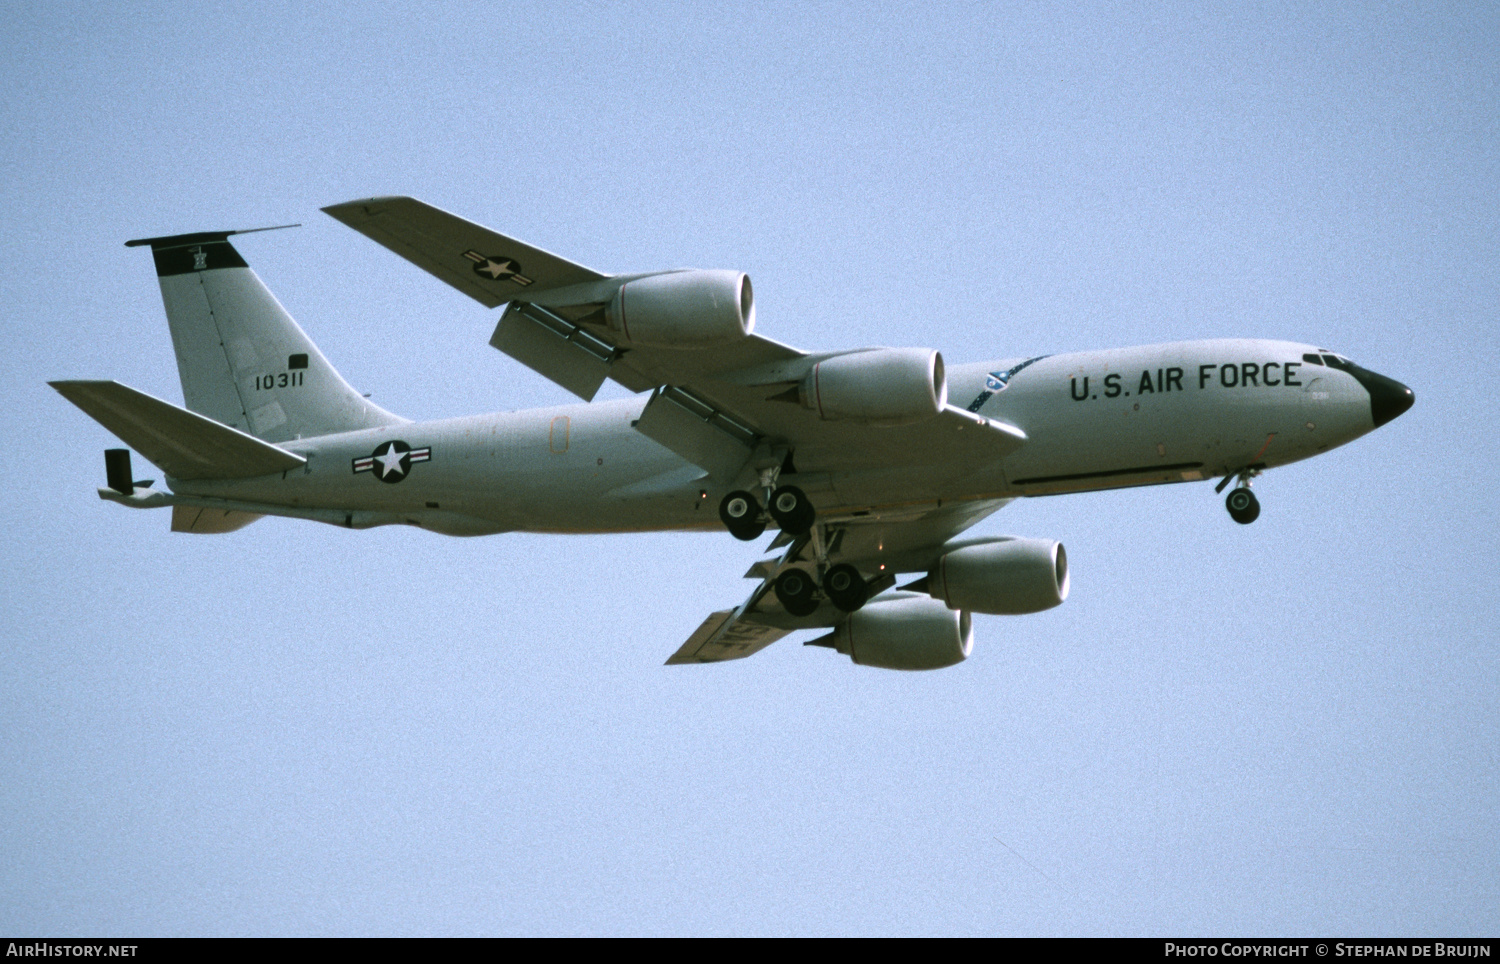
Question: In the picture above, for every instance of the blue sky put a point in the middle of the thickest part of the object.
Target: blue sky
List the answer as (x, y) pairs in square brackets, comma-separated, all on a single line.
[(1287, 728)]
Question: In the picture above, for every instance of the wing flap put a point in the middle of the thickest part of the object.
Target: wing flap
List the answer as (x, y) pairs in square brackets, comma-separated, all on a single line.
[(183, 444), (488, 267), (708, 439), (554, 348)]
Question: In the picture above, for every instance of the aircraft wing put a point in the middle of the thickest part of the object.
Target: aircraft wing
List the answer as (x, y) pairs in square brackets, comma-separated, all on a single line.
[(726, 635), (725, 407), (488, 267), (887, 545), (716, 405)]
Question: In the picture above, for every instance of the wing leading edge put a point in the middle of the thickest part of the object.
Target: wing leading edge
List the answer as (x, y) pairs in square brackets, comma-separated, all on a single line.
[(485, 265)]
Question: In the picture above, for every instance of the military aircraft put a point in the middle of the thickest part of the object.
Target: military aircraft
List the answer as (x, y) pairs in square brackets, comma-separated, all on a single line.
[(870, 463)]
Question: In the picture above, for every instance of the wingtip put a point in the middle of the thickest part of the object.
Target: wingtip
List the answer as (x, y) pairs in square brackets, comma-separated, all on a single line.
[(67, 386), (354, 206)]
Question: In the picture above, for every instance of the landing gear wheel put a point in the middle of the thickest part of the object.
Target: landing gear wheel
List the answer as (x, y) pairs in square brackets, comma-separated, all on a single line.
[(1243, 506), (845, 587), (792, 510), (794, 589), (741, 515)]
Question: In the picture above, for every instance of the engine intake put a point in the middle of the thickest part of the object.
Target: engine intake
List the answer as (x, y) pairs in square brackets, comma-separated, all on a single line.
[(903, 632), (1004, 577), (882, 386), (684, 309)]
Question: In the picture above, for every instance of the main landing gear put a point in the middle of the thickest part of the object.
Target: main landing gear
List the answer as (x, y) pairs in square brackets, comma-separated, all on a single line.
[(792, 510), (842, 584), (1242, 504), (796, 588), (741, 514), (789, 506), (796, 592), (845, 587)]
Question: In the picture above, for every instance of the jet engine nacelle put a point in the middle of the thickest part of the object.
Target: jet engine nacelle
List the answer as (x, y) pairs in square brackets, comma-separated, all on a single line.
[(684, 309), (1004, 577), (906, 632), (884, 386)]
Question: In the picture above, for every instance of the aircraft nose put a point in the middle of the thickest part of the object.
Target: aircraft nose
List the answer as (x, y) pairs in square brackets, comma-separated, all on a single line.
[(1388, 397)]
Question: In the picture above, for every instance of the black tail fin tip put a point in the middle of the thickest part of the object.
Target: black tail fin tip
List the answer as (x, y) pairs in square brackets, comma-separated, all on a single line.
[(200, 251)]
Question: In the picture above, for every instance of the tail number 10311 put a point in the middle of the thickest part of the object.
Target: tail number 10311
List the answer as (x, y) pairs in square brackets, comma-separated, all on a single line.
[(284, 380)]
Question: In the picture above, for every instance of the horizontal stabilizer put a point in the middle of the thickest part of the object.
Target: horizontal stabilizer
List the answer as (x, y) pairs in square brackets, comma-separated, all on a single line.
[(488, 267), (184, 444)]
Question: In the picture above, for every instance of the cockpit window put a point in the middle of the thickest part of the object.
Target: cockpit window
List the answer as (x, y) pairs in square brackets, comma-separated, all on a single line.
[(1312, 359), (1338, 361)]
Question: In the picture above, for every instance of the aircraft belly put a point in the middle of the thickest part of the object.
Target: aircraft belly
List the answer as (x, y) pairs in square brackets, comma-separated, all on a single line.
[(912, 484), (1154, 440)]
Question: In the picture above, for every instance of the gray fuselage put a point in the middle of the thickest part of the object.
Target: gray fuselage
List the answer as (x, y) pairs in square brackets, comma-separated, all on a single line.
[(1094, 420)]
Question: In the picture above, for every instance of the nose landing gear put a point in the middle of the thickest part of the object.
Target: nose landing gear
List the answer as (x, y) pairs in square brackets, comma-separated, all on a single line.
[(1243, 506)]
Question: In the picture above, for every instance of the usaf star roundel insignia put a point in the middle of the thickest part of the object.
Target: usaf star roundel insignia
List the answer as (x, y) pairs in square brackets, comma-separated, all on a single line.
[(497, 268), (391, 461)]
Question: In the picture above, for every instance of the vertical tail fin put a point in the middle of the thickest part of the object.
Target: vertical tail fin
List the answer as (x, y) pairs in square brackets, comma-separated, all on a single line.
[(243, 361)]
